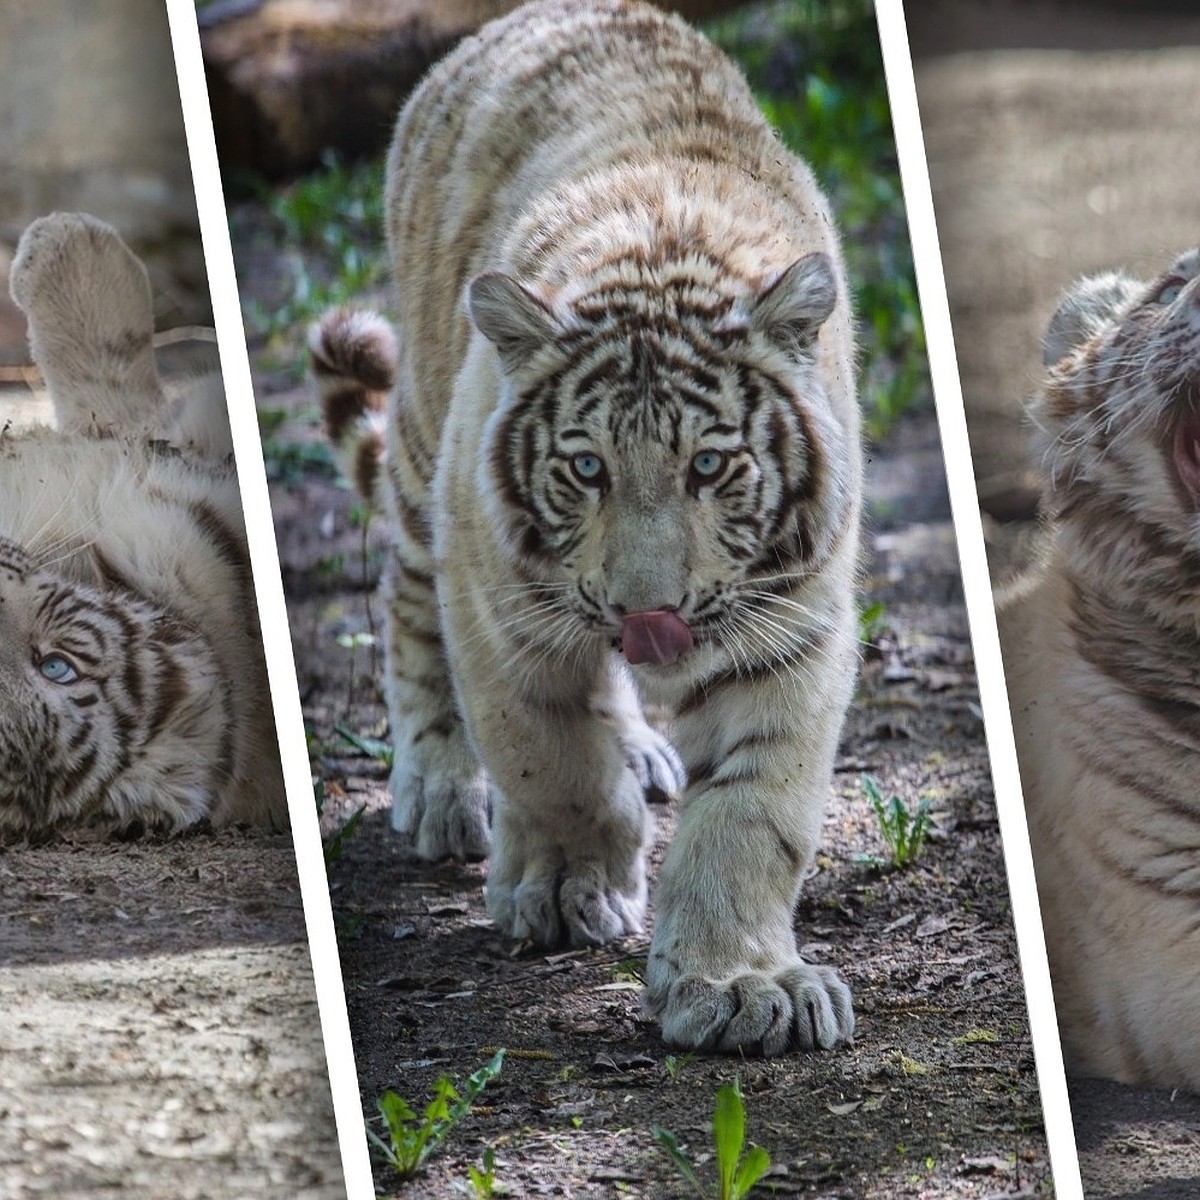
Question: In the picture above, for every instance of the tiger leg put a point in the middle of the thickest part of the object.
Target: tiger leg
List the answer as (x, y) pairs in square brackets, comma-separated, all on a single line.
[(87, 299), (441, 797), (570, 822), (724, 971)]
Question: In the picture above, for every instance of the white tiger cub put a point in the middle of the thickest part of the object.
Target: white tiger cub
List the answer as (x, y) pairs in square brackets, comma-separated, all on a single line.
[(132, 681), (627, 466), (1102, 654)]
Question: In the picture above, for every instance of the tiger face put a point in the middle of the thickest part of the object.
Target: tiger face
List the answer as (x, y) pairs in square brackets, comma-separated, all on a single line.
[(657, 452), (1125, 361), (1119, 421), (106, 704)]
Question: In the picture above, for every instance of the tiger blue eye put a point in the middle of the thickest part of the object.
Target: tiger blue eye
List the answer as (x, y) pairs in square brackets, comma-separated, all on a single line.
[(589, 467), (708, 463), (57, 669)]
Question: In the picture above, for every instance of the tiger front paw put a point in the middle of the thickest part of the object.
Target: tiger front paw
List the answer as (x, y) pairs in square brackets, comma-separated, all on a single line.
[(575, 878), (446, 817), (581, 906), (792, 1006), (653, 759)]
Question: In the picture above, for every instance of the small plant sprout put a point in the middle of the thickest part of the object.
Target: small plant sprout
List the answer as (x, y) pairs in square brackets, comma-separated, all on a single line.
[(483, 1183), (903, 831), (336, 846), (411, 1139), (871, 621), (371, 747), (737, 1173), (673, 1065)]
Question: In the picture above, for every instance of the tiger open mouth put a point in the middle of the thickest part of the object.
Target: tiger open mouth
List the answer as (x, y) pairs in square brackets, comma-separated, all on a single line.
[(1185, 445)]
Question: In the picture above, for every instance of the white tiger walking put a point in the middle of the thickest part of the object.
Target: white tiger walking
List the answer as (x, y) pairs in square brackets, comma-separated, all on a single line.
[(627, 466)]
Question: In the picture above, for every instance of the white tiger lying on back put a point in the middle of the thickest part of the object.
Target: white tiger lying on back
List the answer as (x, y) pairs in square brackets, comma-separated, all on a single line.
[(132, 683), (644, 439), (1102, 655)]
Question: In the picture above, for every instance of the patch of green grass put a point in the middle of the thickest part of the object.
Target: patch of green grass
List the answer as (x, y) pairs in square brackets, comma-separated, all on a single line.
[(816, 69), (903, 831), (290, 461), (332, 221), (976, 1037), (629, 970), (737, 1173), (412, 1138)]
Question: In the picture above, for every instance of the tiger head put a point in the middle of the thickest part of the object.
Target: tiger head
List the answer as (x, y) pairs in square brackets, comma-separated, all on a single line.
[(664, 451), (1119, 427), (107, 704)]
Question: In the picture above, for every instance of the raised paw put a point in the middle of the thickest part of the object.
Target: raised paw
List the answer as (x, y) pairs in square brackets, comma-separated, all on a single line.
[(653, 759), (87, 299), (446, 818), (797, 1006), (582, 906)]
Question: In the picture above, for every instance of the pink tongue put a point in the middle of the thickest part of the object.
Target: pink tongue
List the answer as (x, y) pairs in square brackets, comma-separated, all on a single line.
[(654, 637)]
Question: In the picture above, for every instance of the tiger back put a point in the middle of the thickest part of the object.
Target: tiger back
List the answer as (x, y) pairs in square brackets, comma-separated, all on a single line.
[(1100, 643), (132, 682), (620, 456)]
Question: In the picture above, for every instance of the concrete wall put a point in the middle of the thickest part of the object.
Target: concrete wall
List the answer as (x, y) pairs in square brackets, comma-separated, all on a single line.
[(90, 116)]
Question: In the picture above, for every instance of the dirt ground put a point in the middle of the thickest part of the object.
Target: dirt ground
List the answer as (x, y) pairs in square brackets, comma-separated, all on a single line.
[(158, 1021), (1061, 140), (938, 1096)]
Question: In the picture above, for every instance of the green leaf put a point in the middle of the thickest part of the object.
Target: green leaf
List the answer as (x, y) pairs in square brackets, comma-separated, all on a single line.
[(438, 1109), (753, 1167), (395, 1110), (371, 747), (670, 1143), (729, 1134), (337, 843)]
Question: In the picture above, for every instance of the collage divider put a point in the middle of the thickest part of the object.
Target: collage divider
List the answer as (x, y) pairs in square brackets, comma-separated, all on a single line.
[(268, 586), (981, 612)]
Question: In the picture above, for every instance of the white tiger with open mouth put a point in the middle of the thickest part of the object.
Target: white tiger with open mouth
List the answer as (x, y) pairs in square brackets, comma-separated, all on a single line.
[(132, 681), (1102, 653), (627, 468)]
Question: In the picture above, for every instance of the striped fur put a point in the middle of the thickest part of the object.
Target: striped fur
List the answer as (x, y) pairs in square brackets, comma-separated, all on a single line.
[(132, 683), (1101, 645), (623, 385)]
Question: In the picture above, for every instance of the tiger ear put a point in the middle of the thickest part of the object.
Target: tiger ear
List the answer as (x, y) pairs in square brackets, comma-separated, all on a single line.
[(510, 316), (1090, 306), (794, 306)]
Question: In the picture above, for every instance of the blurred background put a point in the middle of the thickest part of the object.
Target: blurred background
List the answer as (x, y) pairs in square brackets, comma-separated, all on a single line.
[(1061, 137), (90, 121)]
